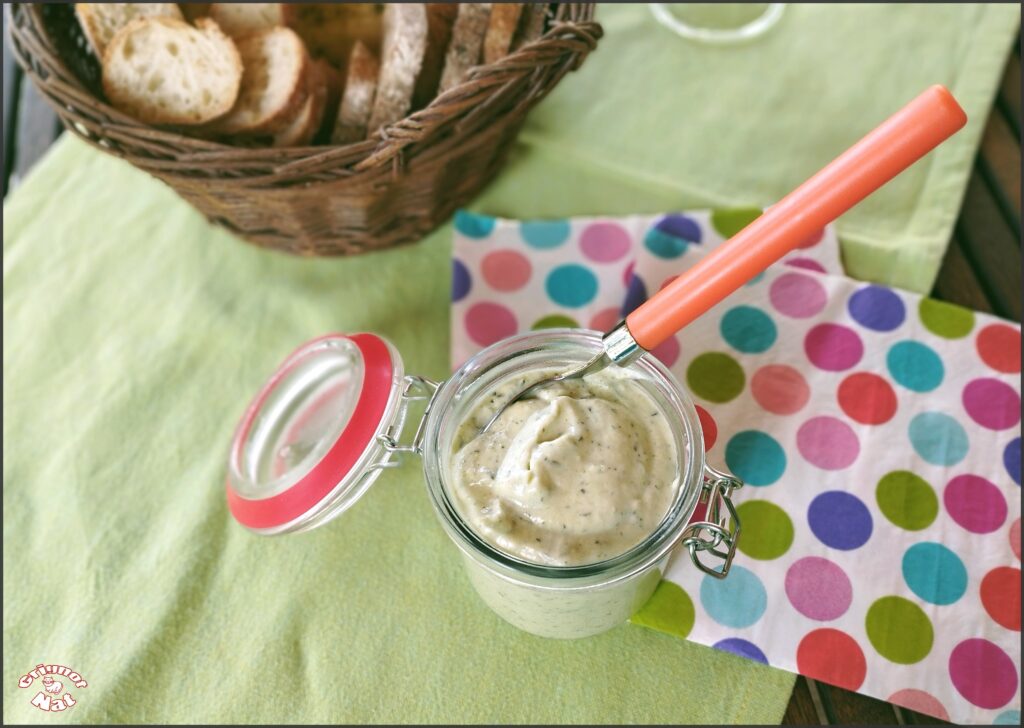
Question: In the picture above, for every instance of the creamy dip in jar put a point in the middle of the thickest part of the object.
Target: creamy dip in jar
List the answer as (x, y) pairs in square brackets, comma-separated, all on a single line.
[(577, 475)]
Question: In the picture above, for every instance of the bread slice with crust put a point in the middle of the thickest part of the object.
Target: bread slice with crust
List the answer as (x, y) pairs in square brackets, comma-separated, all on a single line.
[(241, 19), (357, 97), (164, 71), (440, 19), (101, 21), (331, 29), (274, 83), (467, 43), (531, 27), (402, 52), (501, 28)]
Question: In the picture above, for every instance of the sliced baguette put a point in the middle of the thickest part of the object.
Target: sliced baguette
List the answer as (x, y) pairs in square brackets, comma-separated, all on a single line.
[(466, 44), (501, 28), (274, 83), (402, 51), (440, 18), (164, 71), (332, 80), (241, 19), (357, 98), (531, 27), (101, 21), (304, 124)]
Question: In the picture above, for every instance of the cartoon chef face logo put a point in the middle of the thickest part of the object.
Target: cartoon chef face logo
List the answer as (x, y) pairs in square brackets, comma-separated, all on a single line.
[(53, 679)]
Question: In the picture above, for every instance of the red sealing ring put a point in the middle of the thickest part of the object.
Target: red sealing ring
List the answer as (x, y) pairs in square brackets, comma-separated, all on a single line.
[(323, 477)]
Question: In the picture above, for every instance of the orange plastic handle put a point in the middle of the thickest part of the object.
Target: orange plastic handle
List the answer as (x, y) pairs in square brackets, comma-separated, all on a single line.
[(901, 140)]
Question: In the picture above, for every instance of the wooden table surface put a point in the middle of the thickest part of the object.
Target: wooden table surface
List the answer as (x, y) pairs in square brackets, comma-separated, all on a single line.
[(981, 270)]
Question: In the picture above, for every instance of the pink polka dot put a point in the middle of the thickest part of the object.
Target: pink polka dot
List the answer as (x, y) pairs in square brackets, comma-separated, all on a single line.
[(664, 283), (605, 319), (818, 588), (983, 673), (780, 389), (992, 403), (1015, 538), (489, 322), (605, 242), (797, 295), (710, 429), (975, 503), (828, 443), (506, 270), (920, 701), (667, 351), (806, 264), (627, 273), (813, 239), (833, 347)]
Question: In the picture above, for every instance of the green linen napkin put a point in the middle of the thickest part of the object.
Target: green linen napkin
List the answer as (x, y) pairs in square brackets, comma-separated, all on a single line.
[(134, 336)]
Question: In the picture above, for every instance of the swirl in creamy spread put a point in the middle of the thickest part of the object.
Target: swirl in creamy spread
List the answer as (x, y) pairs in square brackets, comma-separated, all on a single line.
[(578, 475)]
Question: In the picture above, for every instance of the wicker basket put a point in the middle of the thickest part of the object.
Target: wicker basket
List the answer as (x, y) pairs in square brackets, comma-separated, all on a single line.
[(326, 200)]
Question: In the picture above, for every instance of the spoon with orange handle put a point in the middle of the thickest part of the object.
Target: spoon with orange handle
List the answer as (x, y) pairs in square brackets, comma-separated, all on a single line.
[(897, 143)]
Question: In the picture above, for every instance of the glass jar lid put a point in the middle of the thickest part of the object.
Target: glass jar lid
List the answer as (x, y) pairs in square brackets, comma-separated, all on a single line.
[(309, 444)]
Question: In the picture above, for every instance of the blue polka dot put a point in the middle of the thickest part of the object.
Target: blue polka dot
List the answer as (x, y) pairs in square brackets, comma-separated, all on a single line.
[(742, 648), (1007, 717), (636, 294), (934, 573), (738, 600), (1011, 459), (755, 457), (473, 225), (840, 520), (461, 282), (877, 308), (915, 366), (571, 285), (755, 280), (672, 235), (748, 329), (544, 234), (938, 438)]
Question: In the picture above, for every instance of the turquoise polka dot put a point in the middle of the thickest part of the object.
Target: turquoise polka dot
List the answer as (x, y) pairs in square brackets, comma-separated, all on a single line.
[(915, 366), (755, 280), (738, 600), (544, 234), (938, 438), (664, 245), (934, 573), (1008, 717), (473, 225), (571, 285), (748, 329), (755, 457)]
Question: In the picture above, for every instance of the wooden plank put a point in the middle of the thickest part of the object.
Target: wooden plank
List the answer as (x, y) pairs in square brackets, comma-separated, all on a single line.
[(12, 83), (999, 163), (957, 282), (802, 709), (849, 707), (37, 128), (1008, 101)]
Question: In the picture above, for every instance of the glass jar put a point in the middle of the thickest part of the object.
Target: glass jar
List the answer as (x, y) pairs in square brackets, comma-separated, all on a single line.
[(333, 416)]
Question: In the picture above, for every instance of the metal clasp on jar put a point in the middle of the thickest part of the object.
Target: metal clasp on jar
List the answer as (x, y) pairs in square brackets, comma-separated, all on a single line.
[(416, 389), (719, 532)]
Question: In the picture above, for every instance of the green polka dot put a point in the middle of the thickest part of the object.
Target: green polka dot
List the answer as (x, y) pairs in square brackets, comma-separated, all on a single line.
[(715, 377), (907, 500), (555, 321), (669, 609), (730, 222), (944, 319), (767, 532), (899, 630)]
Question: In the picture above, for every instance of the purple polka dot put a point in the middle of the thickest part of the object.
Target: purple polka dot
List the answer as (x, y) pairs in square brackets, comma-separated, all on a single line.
[(818, 588), (983, 673), (605, 242), (833, 347), (877, 308), (680, 226), (797, 295), (992, 403), (740, 647), (840, 520), (636, 294), (461, 281), (487, 323), (827, 442), (806, 264), (975, 503), (1011, 459)]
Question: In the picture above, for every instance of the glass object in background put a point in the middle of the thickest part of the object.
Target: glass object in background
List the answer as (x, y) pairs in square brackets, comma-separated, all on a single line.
[(718, 22)]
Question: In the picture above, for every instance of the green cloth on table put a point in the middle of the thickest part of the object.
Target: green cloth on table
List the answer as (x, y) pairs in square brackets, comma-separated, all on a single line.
[(134, 336), (653, 122)]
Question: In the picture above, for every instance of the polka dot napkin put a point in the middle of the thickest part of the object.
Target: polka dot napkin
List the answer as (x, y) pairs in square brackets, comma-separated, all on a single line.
[(878, 433)]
